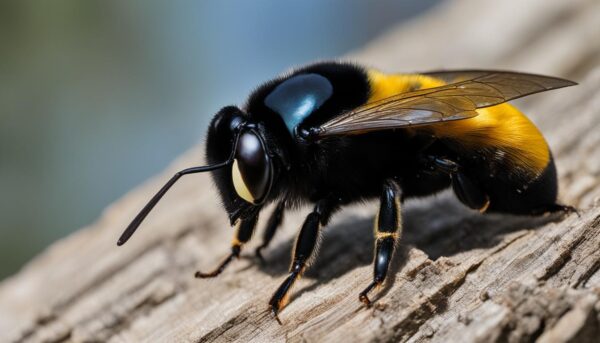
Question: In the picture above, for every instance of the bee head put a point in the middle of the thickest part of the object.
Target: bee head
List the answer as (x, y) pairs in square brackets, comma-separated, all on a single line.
[(252, 169), (248, 181)]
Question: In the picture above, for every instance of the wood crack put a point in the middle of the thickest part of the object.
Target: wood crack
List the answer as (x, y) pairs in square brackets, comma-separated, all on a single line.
[(471, 277)]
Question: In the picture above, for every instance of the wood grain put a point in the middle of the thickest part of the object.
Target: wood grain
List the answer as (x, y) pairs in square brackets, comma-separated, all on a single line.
[(458, 275)]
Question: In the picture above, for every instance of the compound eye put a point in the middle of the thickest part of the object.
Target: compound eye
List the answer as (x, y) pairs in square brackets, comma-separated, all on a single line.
[(252, 171)]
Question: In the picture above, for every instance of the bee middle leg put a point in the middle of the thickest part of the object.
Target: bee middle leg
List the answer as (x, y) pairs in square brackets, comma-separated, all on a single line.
[(244, 231), (388, 229), (303, 252), (272, 224)]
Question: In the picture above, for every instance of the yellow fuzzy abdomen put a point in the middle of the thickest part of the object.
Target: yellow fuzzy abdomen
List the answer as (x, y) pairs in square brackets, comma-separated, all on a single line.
[(501, 128)]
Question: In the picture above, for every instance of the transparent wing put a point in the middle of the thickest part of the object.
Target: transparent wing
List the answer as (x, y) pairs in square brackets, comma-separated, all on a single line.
[(467, 91)]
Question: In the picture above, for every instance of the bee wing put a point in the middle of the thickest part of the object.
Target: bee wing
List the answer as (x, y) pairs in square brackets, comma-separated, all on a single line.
[(467, 91)]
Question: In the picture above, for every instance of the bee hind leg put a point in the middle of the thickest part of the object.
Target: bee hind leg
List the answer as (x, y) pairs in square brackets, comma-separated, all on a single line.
[(465, 189), (388, 229), (468, 193)]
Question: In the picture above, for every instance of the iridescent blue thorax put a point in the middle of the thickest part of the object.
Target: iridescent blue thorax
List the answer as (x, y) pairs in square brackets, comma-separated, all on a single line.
[(296, 98)]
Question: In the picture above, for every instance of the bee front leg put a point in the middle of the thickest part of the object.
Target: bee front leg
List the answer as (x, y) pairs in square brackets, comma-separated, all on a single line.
[(244, 231), (303, 252), (388, 229)]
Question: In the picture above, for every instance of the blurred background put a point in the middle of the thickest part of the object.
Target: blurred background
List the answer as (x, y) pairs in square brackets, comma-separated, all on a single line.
[(97, 96)]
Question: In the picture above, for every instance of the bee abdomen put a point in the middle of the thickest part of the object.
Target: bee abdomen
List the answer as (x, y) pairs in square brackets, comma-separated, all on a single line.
[(522, 195)]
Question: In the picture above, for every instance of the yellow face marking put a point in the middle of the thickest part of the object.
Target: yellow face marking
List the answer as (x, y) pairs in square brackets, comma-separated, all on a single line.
[(238, 183), (502, 127)]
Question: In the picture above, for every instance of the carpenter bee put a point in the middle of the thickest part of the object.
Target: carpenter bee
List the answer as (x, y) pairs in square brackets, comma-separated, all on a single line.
[(335, 133)]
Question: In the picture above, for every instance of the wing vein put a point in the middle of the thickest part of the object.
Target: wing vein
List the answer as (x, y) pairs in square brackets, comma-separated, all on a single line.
[(464, 92)]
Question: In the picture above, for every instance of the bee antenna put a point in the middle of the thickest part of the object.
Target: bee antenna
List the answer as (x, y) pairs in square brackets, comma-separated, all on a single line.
[(135, 223)]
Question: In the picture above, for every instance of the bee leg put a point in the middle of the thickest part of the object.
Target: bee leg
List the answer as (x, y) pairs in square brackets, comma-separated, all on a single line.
[(388, 229), (244, 231), (272, 225), (468, 193), (441, 164), (465, 189), (303, 252)]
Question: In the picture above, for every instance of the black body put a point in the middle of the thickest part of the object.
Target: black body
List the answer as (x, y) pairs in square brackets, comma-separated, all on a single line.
[(353, 168)]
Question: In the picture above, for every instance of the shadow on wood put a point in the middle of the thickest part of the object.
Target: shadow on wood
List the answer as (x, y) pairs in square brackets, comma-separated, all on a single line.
[(458, 275)]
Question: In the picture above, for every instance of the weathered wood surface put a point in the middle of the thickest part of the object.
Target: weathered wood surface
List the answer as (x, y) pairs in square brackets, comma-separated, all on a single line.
[(458, 275)]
